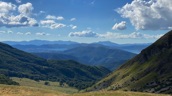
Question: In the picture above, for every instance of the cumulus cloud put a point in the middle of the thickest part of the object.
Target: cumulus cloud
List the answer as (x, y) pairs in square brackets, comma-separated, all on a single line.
[(51, 24), (85, 33), (52, 17), (25, 9), (6, 7), (8, 19), (119, 26), (148, 14), (72, 19)]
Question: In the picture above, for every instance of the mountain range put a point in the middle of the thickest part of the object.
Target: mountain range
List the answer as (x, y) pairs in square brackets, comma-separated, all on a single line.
[(47, 46), (103, 53), (149, 71), (17, 63), (92, 54)]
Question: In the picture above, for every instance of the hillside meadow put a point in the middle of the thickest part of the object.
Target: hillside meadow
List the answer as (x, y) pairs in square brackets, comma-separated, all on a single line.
[(41, 90)]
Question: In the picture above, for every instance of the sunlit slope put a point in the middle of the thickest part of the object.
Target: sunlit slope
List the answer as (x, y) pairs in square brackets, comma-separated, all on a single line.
[(150, 71), (30, 91)]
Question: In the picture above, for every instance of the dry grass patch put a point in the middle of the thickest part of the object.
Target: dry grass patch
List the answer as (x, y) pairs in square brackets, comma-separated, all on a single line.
[(27, 91), (41, 85), (117, 93)]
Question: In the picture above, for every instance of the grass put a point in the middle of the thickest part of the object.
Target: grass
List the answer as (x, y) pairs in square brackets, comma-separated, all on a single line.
[(9, 90), (6, 90), (117, 93), (41, 85)]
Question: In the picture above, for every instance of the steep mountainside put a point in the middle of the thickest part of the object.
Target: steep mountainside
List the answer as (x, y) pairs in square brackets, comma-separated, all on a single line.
[(150, 71), (16, 63)]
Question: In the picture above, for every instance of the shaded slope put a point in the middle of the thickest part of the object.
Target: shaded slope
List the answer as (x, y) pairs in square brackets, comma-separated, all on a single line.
[(16, 63), (150, 71), (7, 80)]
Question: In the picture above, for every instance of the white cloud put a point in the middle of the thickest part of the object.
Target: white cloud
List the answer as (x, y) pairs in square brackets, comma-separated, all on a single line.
[(51, 24), (6, 7), (26, 9), (57, 25), (18, 1), (47, 22), (24, 33), (9, 32), (60, 18), (28, 33), (133, 35), (52, 17), (119, 26), (16, 21), (73, 26), (85, 33), (8, 19), (72, 19), (148, 14), (42, 34)]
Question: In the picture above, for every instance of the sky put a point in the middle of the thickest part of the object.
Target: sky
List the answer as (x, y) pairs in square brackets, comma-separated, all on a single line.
[(85, 21)]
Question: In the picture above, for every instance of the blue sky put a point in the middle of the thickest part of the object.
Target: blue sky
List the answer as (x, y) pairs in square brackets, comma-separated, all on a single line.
[(119, 21)]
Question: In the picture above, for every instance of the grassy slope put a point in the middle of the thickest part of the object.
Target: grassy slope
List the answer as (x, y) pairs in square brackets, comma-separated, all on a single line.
[(150, 71), (54, 86), (6, 90), (117, 93)]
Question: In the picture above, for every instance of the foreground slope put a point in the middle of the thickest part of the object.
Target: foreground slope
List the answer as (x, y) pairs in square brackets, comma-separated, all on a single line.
[(150, 71), (16, 63), (30, 91)]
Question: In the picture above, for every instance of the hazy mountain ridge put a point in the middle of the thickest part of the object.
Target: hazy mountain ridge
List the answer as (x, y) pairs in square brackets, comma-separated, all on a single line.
[(150, 71), (44, 45), (91, 54)]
